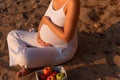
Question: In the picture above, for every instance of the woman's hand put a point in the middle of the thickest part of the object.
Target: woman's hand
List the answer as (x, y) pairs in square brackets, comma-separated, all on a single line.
[(45, 20), (42, 43)]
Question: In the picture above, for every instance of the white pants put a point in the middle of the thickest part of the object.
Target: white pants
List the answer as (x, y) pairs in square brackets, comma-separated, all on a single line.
[(26, 52)]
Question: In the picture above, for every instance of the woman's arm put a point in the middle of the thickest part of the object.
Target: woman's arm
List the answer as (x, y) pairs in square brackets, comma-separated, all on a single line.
[(72, 15)]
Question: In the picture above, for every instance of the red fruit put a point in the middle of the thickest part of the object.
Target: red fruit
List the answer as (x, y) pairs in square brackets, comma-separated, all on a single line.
[(47, 71), (51, 78), (42, 77)]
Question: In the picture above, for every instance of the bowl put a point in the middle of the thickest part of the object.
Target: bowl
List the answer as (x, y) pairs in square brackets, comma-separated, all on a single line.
[(56, 68)]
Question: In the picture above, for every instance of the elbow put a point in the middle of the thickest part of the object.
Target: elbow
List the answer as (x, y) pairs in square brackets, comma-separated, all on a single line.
[(67, 39)]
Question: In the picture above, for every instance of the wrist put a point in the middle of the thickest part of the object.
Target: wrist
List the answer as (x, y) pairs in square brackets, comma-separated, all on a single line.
[(49, 23)]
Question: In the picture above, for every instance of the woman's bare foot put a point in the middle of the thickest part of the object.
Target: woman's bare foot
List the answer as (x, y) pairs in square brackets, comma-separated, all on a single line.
[(23, 72)]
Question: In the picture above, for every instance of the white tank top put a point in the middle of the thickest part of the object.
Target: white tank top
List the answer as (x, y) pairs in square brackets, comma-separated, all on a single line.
[(58, 18)]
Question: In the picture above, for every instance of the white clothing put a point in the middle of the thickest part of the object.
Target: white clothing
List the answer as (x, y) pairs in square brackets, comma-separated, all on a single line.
[(58, 18), (36, 55)]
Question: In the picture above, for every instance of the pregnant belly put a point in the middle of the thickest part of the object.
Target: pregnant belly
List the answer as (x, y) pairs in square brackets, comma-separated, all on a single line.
[(48, 36)]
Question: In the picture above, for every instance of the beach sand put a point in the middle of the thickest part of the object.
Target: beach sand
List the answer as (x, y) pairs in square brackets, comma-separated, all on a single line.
[(98, 55)]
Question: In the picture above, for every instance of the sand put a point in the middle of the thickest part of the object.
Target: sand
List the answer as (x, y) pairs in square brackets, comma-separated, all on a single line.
[(98, 55)]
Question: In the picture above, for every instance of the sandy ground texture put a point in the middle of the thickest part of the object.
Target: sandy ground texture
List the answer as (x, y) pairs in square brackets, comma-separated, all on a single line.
[(98, 55)]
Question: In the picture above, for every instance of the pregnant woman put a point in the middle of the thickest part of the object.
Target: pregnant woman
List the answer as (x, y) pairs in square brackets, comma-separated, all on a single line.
[(53, 44)]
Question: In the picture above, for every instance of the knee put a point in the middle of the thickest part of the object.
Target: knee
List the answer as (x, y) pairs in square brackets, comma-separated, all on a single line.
[(12, 34)]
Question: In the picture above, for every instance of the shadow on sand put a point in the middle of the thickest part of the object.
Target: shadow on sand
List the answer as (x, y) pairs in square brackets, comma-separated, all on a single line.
[(97, 57)]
